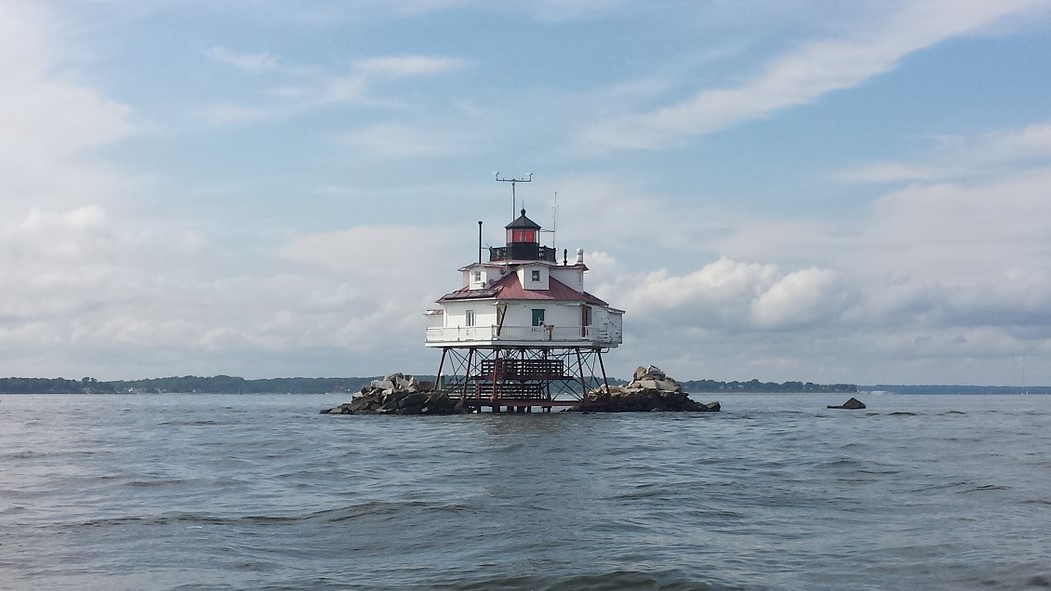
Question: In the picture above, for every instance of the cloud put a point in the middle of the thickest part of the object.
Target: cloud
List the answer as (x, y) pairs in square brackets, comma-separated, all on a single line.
[(92, 289), (289, 88), (105, 273), (731, 295), (394, 140), (48, 257), (251, 62), (57, 246), (959, 157), (543, 10), (955, 232), (720, 293), (941, 278), (606, 213), (53, 123), (97, 295), (561, 10), (406, 65), (1030, 142), (366, 73), (797, 299), (929, 254), (810, 72)]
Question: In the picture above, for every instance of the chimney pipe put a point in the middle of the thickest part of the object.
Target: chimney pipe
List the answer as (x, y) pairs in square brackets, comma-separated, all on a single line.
[(580, 256)]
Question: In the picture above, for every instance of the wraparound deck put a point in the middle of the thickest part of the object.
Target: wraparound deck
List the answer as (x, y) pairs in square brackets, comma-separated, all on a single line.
[(563, 336)]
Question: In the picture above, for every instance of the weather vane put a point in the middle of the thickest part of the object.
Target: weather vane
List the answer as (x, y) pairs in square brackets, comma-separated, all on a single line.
[(514, 181)]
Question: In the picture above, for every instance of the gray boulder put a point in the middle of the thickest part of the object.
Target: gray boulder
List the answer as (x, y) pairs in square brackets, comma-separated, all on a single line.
[(650, 390), (397, 394)]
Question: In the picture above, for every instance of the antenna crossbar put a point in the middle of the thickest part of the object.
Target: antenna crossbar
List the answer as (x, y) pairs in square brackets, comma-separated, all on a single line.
[(513, 181)]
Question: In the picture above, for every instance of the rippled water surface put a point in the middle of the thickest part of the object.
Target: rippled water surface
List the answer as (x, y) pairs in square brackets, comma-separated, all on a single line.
[(774, 492)]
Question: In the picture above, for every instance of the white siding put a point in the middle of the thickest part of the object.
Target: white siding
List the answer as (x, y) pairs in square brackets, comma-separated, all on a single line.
[(562, 319), (527, 273), (456, 313), (571, 276)]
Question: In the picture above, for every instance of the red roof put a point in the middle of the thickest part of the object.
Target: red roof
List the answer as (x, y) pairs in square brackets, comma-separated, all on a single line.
[(510, 288)]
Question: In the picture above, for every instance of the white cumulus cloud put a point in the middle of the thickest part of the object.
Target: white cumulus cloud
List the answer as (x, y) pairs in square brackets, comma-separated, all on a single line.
[(797, 299)]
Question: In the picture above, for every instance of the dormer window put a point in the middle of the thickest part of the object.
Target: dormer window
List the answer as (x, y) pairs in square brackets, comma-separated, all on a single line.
[(536, 275), (477, 276)]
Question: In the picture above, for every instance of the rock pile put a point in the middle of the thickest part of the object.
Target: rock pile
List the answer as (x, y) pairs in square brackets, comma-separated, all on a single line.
[(397, 394), (650, 389)]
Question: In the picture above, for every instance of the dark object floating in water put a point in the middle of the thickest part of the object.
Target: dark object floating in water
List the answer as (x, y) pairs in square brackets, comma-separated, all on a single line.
[(852, 404)]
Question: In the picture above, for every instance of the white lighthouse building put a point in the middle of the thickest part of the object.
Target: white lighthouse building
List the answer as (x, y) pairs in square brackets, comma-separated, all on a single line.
[(521, 331)]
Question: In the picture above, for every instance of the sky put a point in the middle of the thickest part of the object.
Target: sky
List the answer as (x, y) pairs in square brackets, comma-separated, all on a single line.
[(781, 190)]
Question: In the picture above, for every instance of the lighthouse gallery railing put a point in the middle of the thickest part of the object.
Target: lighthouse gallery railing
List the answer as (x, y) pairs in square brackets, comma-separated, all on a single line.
[(546, 333)]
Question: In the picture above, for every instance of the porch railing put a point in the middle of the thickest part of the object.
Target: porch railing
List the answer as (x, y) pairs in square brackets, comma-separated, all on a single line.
[(546, 333)]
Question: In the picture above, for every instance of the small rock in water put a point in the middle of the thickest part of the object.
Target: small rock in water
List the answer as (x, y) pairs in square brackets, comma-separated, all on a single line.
[(852, 404)]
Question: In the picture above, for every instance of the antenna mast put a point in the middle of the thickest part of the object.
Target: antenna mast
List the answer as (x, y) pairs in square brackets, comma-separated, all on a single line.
[(514, 181), (554, 224)]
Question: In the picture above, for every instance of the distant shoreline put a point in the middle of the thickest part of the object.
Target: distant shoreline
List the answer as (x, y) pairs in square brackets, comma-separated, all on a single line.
[(935, 389), (224, 384)]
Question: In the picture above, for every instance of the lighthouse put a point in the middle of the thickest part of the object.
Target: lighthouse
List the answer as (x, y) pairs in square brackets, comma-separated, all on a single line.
[(521, 332)]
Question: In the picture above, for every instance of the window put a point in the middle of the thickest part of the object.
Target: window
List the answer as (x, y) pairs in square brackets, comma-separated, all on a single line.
[(536, 275), (469, 318), (477, 276), (538, 316), (523, 236)]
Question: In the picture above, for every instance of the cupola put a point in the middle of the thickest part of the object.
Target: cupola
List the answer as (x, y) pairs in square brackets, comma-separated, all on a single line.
[(523, 231), (523, 243)]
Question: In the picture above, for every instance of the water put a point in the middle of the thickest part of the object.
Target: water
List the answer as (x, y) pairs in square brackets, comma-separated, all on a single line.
[(775, 492)]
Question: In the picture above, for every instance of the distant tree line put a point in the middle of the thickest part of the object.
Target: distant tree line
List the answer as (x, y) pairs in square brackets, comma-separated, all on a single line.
[(223, 384), (943, 389), (757, 386), (40, 386)]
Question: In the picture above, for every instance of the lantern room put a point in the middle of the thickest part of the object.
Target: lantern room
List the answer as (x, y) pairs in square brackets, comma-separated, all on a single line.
[(522, 230), (523, 243)]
